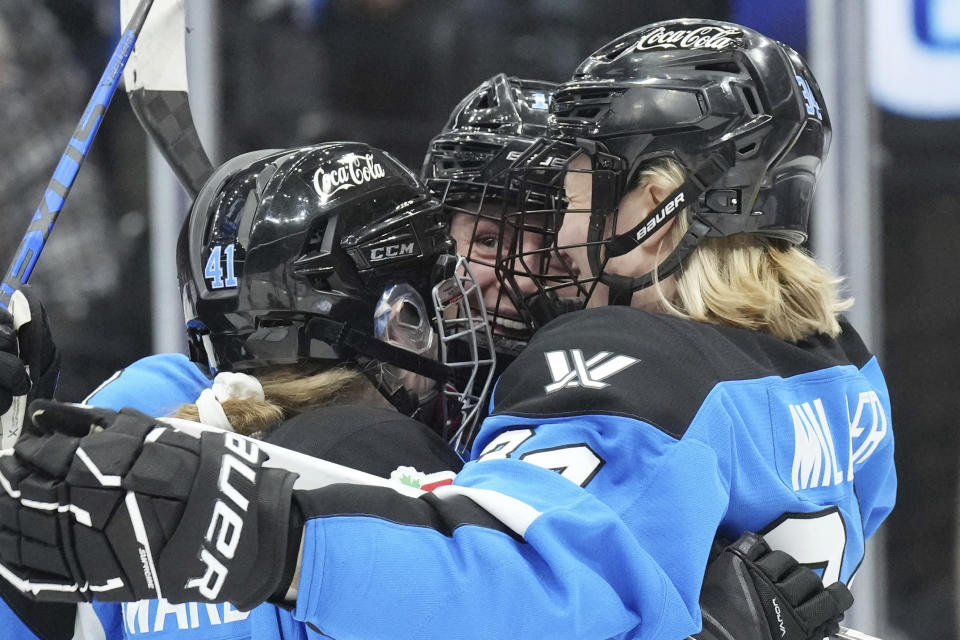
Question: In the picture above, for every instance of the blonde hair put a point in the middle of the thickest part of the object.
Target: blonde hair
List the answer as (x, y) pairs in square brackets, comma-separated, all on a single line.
[(747, 280), (290, 390)]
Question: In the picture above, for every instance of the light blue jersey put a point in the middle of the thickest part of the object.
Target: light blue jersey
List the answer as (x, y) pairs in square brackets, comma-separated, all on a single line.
[(620, 443)]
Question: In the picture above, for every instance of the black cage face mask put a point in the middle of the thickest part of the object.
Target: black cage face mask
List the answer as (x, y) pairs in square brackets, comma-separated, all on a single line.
[(577, 241), (555, 249)]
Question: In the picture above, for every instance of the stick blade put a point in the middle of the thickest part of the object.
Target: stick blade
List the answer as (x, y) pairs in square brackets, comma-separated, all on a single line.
[(167, 118)]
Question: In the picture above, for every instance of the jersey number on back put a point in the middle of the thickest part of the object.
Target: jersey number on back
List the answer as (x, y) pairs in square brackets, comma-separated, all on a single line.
[(815, 539), (578, 463)]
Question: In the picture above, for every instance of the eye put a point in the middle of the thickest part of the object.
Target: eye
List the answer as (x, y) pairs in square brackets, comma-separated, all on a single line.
[(486, 240)]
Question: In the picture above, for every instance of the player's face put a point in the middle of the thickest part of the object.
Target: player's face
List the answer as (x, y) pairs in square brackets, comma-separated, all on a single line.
[(634, 207), (478, 239)]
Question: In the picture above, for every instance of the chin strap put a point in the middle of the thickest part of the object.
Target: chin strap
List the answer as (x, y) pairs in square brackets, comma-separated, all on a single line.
[(342, 335), (696, 184), (711, 170), (623, 287)]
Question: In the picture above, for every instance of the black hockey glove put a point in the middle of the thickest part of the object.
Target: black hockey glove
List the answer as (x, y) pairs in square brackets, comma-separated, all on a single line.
[(29, 361), (752, 593), (118, 506)]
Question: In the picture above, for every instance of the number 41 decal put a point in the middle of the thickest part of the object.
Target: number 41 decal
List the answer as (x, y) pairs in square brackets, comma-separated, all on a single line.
[(213, 270)]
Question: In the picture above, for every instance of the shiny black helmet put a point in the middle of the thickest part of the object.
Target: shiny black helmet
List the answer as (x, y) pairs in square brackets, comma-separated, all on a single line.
[(466, 167), (741, 114), (328, 253), (486, 132)]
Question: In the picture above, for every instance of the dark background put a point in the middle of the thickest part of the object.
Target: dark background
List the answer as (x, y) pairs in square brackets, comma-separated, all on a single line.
[(388, 72)]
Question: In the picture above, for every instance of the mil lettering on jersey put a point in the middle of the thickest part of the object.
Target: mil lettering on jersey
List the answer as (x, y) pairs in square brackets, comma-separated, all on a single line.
[(569, 369), (815, 459), (815, 456)]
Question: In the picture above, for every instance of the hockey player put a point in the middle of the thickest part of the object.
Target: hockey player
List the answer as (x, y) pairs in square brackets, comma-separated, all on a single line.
[(691, 152), (466, 166), (369, 319), (545, 556)]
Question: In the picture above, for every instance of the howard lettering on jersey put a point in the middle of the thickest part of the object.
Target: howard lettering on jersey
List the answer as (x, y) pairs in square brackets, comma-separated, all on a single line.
[(151, 616), (815, 459), (226, 521)]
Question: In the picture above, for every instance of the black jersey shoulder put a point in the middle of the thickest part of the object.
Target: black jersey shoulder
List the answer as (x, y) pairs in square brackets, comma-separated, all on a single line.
[(666, 367), (371, 439)]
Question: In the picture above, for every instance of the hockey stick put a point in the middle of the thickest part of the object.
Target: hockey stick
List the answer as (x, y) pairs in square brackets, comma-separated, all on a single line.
[(314, 472), (156, 85), (59, 186), (851, 634)]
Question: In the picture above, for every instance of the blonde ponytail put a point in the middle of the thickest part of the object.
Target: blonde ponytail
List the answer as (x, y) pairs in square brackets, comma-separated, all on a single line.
[(747, 280), (290, 390)]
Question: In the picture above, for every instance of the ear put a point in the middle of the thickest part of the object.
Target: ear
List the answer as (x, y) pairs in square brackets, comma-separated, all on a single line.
[(658, 193), (637, 205)]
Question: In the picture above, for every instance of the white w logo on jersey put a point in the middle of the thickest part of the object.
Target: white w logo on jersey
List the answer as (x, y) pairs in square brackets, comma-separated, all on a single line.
[(577, 372)]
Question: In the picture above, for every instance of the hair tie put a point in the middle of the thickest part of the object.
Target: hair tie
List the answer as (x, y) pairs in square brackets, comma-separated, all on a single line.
[(226, 386)]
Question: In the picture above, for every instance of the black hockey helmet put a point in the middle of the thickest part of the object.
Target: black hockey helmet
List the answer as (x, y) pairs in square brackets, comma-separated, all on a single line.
[(485, 133), (741, 113), (466, 167), (320, 253)]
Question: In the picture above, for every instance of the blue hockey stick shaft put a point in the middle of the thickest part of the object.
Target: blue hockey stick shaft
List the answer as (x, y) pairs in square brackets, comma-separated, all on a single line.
[(25, 258)]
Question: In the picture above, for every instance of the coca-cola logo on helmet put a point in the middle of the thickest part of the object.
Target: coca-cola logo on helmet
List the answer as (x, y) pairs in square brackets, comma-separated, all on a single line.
[(684, 36), (348, 171)]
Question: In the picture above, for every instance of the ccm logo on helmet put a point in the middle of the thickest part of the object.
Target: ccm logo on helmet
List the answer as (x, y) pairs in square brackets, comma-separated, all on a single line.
[(655, 221), (226, 521), (392, 251)]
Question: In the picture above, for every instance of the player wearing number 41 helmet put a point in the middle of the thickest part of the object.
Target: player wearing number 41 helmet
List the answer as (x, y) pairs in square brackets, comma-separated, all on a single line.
[(325, 273)]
